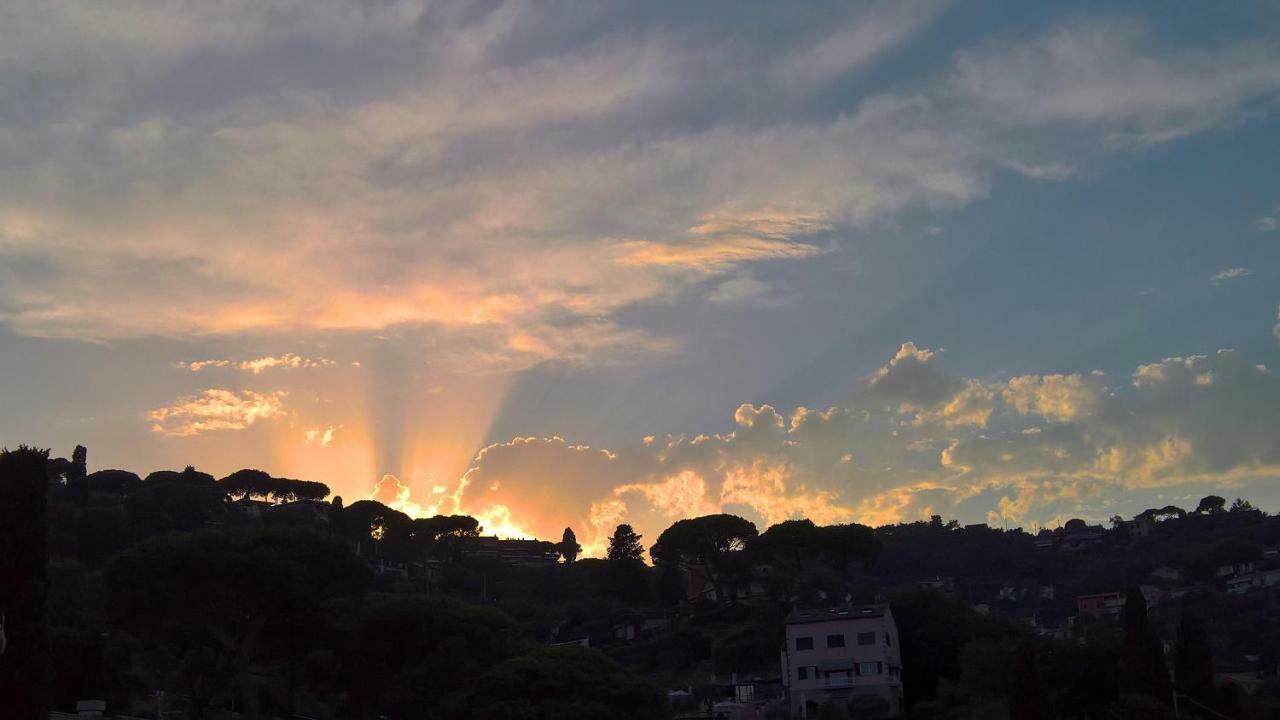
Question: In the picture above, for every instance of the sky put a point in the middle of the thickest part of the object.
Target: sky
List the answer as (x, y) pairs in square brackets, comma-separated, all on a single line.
[(574, 264)]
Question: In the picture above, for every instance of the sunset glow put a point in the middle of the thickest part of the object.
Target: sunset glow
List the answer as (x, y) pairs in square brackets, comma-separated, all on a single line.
[(565, 268)]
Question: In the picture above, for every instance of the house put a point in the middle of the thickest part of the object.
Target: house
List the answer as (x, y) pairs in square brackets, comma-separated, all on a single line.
[(1108, 604), (848, 653), (524, 553)]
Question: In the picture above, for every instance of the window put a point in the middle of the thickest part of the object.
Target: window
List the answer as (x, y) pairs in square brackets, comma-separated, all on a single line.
[(888, 639), (835, 641), (868, 668), (802, 673), (867, 638), (804, 643)]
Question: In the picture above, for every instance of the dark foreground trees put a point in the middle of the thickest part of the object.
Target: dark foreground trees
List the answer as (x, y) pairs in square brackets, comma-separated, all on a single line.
[(24, 567)]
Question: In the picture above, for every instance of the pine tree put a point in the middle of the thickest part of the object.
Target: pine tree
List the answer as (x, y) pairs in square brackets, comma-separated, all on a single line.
[(625, 545), (568, 546)]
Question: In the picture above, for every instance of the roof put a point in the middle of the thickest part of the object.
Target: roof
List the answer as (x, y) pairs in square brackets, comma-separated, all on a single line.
[(846, 612)]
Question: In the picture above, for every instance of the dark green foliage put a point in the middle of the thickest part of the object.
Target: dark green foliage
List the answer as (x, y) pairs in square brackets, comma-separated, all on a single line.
[(933, 632), (208, 603), (565, 683), (1030, 698), (413, 656), (1193, 664), (24, 570), (1142, 662)]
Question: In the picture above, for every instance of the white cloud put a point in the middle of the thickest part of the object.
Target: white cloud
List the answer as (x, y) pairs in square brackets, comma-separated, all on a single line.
[(1267, 223), (216, 409), (1234, 273)]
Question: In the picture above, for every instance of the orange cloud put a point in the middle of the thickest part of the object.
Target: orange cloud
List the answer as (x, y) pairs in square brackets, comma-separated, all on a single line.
[(216, 409)]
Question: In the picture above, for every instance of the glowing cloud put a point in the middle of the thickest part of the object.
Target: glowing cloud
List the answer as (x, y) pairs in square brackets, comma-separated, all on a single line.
[(216, 409)]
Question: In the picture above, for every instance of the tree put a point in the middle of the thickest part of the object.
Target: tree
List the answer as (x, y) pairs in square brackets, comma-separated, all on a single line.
[(626, 571), (569, 547), (569, 683), (117, 482), (188, 476), (1145, 673), (704, 541), (702, 538), (1193, 663), (209, 605), (625, 545), (415, 656), (24, 569), (1030, 698), (1211, 505), (1241, 506)]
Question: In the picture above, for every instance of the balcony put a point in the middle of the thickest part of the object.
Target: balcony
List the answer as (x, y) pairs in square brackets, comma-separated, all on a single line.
[(838, 682)]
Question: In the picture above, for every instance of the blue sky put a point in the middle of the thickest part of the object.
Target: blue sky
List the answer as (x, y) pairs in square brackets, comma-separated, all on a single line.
[(549, 264)]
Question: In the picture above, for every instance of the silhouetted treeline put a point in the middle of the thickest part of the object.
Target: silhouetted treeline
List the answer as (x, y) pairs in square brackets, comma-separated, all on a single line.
[(256, 594)]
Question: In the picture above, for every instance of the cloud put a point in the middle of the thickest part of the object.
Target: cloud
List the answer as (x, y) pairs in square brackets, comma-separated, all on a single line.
[(1060, 398), (184, 172), (1115, 75), (1234, 273), (287, 361), (1267, 223), (320, 436), (747, 289), (216, 409), (912, 440)]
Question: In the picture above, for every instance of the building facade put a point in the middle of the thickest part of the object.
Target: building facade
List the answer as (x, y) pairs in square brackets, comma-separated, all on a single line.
[(844, 654)]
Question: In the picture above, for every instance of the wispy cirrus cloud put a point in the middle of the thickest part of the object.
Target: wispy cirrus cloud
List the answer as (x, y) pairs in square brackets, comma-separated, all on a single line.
[(216, 409)]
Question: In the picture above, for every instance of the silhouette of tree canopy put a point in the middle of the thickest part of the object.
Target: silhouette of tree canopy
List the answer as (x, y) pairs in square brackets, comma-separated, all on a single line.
[(1241, 506), (702, 538), (249, 483), (167, 504), (1211, 504), (188, 476), (625, 545), (24, 569), (119, 482), (443, 527), (795, 542), (568, 546)]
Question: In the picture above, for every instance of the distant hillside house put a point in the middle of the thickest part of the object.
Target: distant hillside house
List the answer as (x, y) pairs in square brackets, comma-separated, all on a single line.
[(846, 654)]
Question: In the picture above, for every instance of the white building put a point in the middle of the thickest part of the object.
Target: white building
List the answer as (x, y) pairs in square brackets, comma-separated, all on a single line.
[(844, 654)]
